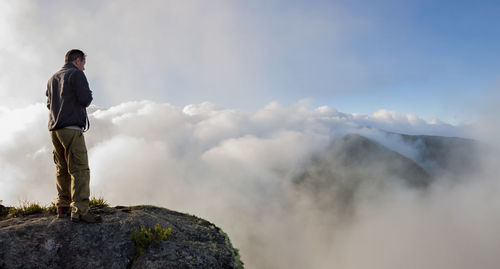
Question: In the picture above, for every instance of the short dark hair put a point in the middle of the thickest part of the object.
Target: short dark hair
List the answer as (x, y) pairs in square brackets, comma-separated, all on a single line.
[(73, 55)]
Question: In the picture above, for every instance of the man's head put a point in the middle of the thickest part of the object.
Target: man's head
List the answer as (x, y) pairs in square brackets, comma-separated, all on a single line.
[(76, 57)]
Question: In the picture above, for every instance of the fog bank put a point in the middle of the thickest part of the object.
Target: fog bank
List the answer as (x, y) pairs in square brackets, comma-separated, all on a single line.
[(235, 168)]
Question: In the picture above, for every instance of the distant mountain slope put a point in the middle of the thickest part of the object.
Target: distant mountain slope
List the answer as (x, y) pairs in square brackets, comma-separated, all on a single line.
[(445, 155), (355, 162)]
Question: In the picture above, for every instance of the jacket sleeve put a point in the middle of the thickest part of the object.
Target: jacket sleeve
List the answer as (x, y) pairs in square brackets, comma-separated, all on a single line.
[(83, 92), (48, 97)]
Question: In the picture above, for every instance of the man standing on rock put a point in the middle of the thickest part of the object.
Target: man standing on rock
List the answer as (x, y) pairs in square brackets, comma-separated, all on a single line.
[(68, 96)]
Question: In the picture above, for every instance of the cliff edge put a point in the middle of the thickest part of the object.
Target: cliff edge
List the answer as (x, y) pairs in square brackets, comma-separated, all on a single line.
[(44, 241)]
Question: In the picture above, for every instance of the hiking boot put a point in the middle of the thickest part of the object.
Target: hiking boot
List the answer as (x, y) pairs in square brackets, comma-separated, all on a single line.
[(63, 211), (87, 218)]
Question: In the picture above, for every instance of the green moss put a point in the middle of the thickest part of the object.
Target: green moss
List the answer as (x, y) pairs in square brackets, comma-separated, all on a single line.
[(236, 252), (143, 237)]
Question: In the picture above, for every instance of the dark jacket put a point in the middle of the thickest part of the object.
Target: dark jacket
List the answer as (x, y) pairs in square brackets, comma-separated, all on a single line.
[(68, 96)]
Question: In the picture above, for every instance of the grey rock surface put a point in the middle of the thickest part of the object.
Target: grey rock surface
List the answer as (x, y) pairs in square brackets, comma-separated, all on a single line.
[(44, 241)]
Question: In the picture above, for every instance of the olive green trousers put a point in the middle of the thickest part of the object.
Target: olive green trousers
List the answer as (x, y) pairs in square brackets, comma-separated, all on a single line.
[(72, 169)]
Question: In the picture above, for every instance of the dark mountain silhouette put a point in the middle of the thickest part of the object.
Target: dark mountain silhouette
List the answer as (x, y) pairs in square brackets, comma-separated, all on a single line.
[(353, 165), (445, 155)]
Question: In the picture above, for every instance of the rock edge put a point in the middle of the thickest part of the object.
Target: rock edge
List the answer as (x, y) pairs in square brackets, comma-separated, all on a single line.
[(44, 241)]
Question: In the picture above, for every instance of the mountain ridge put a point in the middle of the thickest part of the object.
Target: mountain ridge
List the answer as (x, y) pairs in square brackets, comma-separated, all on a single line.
[(354, 163)]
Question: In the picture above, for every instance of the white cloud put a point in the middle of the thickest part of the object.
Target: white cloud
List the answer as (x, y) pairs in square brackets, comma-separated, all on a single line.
[(231, 53), (228, 165), (235, 168), (133, 45), (407, 123)]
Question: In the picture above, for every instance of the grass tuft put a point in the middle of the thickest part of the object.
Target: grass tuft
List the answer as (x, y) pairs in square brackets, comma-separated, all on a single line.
[(143, 237), (52, 208), (26, 209), (98, 202)]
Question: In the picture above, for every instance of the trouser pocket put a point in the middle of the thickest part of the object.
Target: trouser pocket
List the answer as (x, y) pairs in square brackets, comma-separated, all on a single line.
[(78, 160), (78, 154)]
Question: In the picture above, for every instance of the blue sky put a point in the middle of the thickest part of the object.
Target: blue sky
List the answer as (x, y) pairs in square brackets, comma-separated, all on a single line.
[(436, 59), (431, 58)]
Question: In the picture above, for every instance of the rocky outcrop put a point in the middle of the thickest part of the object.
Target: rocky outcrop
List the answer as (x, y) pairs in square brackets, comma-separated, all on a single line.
[(44, 241), (4, 211)]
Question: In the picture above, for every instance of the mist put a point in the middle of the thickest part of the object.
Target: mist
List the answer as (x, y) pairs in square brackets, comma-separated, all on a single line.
[(237, 169), (258, 168), (179, 52)]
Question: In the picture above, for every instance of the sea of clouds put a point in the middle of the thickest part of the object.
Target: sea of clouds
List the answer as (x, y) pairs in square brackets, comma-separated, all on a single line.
[(235, 168)]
